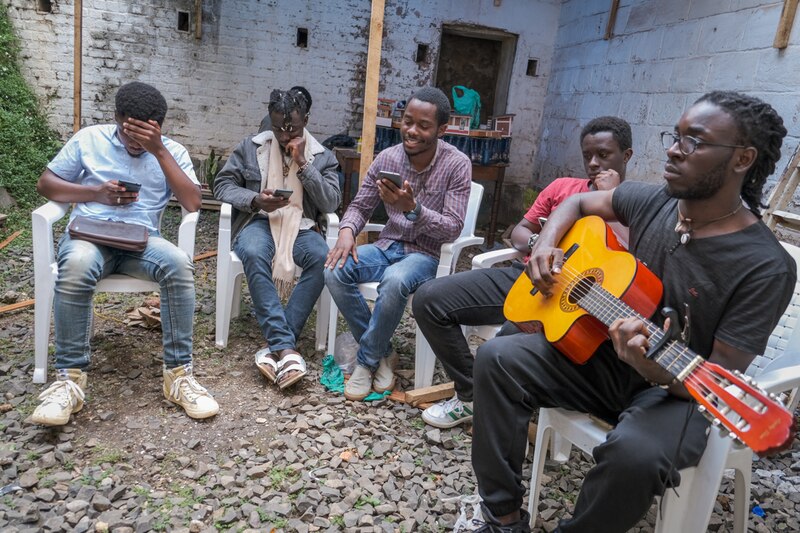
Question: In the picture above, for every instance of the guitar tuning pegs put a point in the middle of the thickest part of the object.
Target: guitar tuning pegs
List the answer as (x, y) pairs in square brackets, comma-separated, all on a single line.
[(702, 408), (715, 422)]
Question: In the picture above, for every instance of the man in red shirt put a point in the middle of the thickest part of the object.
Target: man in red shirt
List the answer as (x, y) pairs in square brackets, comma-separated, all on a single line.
[(476, 297)]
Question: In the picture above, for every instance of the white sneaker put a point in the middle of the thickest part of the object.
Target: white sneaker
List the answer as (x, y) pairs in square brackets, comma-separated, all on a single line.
[(384, 376), (182, 389), (62, 398), (359, 385), (448, 413)]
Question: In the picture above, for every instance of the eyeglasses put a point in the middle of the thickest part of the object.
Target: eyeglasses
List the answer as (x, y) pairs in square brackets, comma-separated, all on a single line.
[(688, 144)]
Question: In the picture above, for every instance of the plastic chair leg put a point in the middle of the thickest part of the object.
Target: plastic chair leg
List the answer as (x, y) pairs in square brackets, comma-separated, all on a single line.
[(543, 435), (225, 298), (323, 318), (42, 313), (424, 362)]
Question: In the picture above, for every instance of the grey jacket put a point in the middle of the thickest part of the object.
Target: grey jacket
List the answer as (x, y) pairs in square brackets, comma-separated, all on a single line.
[(239, 182)]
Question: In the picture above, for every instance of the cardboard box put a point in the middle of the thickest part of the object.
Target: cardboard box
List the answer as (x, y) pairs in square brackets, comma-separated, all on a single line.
[(458, 124), (502, 123)]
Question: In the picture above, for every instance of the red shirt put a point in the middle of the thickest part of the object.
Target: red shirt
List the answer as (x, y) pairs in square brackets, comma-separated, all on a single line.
[(553, 195)]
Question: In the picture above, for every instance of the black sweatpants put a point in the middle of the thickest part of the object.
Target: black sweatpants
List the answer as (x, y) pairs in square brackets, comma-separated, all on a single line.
[(518, 373), (472, 298)]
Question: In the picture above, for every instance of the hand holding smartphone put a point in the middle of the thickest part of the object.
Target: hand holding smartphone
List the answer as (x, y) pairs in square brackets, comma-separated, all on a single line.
[(283, 193), (394, 177), (130, 186)]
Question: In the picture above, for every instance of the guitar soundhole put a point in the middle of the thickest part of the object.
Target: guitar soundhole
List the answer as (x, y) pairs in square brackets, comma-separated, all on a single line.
[(578, 288)]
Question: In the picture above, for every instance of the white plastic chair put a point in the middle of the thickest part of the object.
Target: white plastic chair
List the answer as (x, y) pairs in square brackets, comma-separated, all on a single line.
[(777, 371), (425, 359), (229, 281), (488, 260), (46, 271)]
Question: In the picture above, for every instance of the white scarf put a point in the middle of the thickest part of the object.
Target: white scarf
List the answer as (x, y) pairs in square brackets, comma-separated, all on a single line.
[(284, 222)]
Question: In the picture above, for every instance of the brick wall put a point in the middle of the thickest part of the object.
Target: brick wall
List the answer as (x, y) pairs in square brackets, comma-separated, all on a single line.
[(663, 56), (218, 87)]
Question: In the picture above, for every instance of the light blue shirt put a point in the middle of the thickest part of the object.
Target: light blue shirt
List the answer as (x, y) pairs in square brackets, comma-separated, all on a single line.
[(95, 155)]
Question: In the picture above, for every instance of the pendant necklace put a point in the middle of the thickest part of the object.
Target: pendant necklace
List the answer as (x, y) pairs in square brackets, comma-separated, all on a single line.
[(686, 226), (285, 165)]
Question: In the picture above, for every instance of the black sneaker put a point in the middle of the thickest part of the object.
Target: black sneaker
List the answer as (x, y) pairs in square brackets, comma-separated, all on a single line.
[(491, 525)]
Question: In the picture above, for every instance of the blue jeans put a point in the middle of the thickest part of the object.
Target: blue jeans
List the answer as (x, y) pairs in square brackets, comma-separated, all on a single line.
[(82, 264), (399, 274), (254, 246)]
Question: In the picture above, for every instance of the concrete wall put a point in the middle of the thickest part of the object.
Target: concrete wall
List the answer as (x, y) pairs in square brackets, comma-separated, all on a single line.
[(218, 86), (662, 57)]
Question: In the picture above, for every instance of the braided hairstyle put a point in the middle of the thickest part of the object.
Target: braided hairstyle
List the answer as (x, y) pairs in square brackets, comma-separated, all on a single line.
[(759, 126), (287, 102)]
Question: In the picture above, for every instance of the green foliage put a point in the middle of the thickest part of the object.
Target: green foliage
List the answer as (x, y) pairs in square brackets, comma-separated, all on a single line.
[(528, 197), (209, 169), (26, 141)]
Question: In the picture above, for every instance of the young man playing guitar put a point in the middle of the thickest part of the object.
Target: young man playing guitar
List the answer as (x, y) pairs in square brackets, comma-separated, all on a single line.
[(717, 265)]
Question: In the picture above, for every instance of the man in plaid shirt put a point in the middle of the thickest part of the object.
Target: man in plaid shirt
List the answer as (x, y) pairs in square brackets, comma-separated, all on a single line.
[(426, 212)]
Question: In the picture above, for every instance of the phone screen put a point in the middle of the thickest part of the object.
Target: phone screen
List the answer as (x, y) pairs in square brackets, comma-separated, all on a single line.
[(130, 186), (394, 177), (284, 193)]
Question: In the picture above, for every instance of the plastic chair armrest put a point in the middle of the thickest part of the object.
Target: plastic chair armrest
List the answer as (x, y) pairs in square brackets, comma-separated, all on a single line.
[(187, 231), (780, 380), (42, 220), (450, 252), (488, 259)]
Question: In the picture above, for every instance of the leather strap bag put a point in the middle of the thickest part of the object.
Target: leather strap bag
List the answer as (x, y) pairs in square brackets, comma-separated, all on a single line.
[(122, 235)]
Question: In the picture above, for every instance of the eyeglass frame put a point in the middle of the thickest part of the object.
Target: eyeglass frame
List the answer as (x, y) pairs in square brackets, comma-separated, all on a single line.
[(676, 139)]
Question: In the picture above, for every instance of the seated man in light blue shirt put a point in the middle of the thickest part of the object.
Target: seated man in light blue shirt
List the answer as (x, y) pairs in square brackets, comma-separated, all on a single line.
[(87, 172)]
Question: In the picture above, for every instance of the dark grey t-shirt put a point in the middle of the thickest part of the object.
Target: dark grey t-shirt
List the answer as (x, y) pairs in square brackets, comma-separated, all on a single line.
[(737, 285)]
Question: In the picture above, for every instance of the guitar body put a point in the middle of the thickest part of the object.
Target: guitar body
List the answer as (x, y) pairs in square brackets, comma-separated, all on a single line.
[(592, 255)]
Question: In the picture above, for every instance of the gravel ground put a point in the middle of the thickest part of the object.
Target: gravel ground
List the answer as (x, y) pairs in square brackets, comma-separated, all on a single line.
[(306, 460)]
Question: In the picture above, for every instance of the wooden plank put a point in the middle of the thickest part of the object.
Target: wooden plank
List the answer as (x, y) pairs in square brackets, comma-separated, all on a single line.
[(785, 24), (430, 394), (371, 87), (205, 255), (612, 20), (198, 19), (9, 239), (783, 192), (18, 305), (77, 60)]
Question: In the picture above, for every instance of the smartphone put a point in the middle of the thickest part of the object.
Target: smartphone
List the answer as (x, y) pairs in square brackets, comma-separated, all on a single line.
[(394, 177), (130, 186), (283, 193)]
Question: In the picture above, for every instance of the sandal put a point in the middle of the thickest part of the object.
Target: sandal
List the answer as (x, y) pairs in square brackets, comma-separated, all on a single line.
[(291, 362), (268, 364)]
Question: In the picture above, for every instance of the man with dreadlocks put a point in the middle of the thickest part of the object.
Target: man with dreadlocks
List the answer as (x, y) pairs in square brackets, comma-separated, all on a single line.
[(275, 230), (719, 260)]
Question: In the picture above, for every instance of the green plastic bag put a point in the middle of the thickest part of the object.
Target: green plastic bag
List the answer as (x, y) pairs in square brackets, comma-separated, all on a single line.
[(469, 103)]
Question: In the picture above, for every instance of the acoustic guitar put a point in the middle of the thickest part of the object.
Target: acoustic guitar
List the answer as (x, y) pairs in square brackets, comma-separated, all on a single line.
[(601, 282)]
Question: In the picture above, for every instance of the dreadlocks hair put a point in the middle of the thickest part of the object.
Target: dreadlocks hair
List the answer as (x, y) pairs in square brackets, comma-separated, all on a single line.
[(288, 102), (759, 126), (140, 101), (434, 96), (618, 128)]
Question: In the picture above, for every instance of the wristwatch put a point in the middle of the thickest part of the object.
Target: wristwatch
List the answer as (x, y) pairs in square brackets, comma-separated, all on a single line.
[(532, 240), (414, 213)]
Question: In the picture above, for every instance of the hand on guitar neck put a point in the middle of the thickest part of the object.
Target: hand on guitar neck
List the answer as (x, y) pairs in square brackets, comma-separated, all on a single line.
[(598, 286)]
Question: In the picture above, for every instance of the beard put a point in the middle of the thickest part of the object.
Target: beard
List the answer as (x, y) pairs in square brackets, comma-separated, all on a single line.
[(705, 187)]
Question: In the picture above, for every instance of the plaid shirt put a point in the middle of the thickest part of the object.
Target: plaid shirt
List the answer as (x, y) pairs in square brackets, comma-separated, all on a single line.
[(442, 189)]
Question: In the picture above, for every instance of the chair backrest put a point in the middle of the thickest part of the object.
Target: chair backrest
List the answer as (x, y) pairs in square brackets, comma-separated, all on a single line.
[(783, 346), (471, 218)]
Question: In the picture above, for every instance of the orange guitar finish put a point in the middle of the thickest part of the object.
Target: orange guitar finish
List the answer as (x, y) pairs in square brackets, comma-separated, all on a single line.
[(599, 257)]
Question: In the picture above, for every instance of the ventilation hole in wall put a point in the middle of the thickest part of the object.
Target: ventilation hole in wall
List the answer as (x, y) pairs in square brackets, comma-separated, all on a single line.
[(422, 53), (183, 21), (44, 6), (533, 67), (302, 37)]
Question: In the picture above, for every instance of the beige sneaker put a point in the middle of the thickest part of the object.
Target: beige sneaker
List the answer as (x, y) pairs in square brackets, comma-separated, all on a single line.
[(384, 376), (62, 398), (359, 385), (182, 389)]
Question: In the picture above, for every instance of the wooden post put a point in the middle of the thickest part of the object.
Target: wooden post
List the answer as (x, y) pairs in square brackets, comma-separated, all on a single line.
[(785, 24), (612, 19), (77, 53), (198, 19), (371, 87)]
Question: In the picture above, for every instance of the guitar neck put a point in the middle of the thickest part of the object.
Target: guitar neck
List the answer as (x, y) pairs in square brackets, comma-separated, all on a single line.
[(674, 357)]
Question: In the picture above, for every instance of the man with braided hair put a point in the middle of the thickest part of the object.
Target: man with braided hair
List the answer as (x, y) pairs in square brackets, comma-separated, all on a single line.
[(279, 182), (720, 260)]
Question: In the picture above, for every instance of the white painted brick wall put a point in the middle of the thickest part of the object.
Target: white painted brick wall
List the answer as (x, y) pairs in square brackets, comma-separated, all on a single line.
[(662, 57), (218, 87)]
